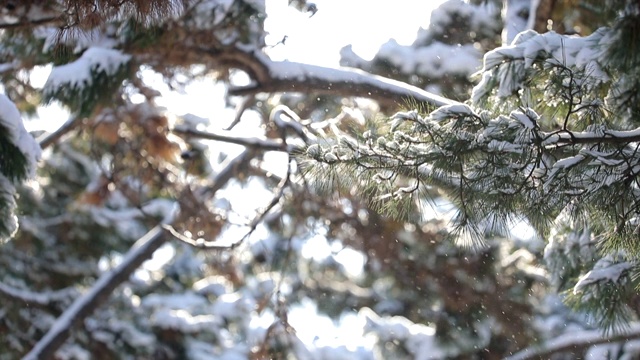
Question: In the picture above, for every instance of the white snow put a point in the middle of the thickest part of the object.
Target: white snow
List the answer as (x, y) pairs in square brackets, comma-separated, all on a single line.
[(455, 110), (40, 298), (434, 61), (420, 339), (526, 119), (213, 285), (610, 273), (582, 53), (293, 71), (514, 22), (219, 8), (568, 162), (330, 157), (78, 73), (183, 321), (479, 16)]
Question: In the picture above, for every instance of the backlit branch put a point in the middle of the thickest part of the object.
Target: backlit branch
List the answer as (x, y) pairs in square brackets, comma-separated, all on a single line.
[(284, 76)]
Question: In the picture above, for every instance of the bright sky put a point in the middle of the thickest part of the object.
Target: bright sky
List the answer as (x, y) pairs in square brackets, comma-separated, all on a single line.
[(364, 23)]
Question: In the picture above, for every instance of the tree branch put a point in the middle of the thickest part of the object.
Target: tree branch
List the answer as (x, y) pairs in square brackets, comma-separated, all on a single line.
[(250, 142), (35, 298), (142, 250), (285, 76), (106, 284), (49, 139), (587, 137), (574, 342)]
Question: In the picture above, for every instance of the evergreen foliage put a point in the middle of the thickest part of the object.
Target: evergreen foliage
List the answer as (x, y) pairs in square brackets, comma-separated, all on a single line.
[(283, 213), (550, 128)]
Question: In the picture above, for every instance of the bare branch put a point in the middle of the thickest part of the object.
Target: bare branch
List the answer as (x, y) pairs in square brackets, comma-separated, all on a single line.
[(575, 137), (49, 139), (242, 106), (199, 243), (230, 168), (250, 142)]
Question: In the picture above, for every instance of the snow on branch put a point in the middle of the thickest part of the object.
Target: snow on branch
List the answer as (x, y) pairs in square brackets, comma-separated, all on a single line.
[(286, 76), (11, 123), (106, 284), (611, 273), (574, 342), (49, 139), (591, 137), (36, 298)]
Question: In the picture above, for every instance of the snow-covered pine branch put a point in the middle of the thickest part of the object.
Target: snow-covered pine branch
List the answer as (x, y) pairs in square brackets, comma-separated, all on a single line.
[(549, 127)]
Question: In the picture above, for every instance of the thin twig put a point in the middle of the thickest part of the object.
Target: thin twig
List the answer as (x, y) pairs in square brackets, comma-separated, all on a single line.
[(30, 23), (252, 142), (242, 106)]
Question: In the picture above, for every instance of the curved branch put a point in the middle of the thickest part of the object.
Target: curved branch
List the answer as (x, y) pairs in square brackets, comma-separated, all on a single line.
[(285, 76)]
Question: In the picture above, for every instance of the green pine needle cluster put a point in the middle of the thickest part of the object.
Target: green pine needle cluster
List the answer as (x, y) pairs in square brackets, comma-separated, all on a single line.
[(13, 163), (14, 168)]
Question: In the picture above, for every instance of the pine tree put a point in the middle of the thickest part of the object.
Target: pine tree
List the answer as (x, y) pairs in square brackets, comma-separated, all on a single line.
[(124, 179)]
